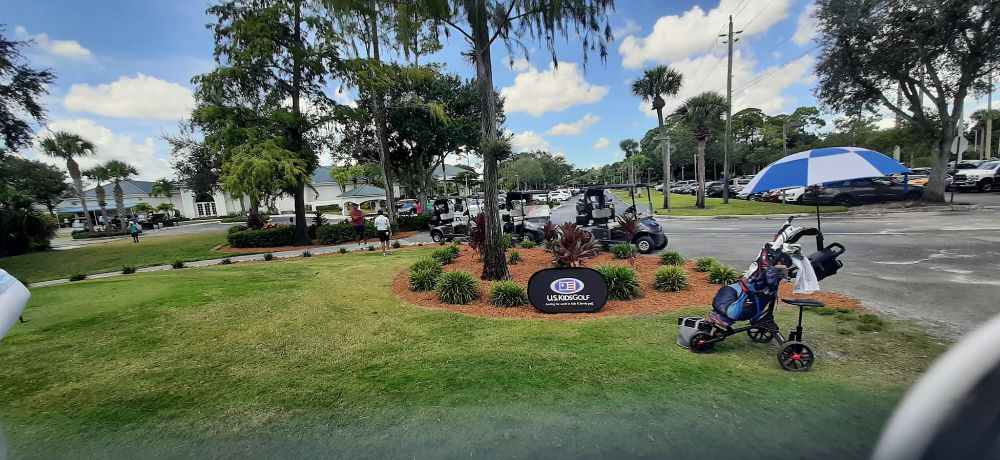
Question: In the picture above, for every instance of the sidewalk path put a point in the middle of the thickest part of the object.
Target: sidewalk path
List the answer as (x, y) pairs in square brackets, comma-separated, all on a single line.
[(420, 238)]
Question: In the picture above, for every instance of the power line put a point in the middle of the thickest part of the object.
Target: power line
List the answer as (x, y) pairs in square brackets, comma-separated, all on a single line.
[(764, 75), (758, 14), (738, 10), (738, 5), (707, 50)]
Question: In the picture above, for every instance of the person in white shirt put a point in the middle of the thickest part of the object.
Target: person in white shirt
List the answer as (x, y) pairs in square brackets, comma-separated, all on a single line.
[(384, 230)]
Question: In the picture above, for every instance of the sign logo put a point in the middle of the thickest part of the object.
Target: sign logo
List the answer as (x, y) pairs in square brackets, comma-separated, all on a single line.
[(566, 286)]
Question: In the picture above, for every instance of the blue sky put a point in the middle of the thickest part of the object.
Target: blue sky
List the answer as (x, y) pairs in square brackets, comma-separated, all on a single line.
[(124, 71)]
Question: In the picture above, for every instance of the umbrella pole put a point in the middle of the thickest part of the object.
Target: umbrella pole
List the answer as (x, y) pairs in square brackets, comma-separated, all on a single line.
[(819, 224)]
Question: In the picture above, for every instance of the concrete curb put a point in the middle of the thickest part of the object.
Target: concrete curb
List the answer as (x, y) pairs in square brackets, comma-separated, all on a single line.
[(848, 213)]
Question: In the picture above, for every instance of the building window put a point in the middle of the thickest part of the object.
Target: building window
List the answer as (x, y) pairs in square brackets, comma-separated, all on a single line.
[(206, 209)]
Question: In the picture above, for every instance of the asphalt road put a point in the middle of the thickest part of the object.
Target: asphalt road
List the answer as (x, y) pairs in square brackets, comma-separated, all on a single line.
[(936, 268)]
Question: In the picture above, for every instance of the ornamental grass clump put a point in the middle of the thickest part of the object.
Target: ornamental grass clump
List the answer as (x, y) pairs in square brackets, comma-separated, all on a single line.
[(507, 294), (670, 279), (671, 258), (623, 282), (704, 264), (622, 250), (721, 274), (444, 256), (514, 258), (457, 287)]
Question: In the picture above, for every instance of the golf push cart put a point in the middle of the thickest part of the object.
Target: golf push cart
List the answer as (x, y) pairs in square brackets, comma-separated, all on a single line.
[(522, 220), (596, 214), (450, 219), (753, 296)]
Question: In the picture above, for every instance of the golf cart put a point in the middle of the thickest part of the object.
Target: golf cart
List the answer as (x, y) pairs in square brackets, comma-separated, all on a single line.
[(451, 217), (523, 220), (596, 214)]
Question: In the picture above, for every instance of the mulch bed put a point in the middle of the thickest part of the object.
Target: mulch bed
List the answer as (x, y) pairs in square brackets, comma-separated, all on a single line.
[(372, 240), (699, 293)]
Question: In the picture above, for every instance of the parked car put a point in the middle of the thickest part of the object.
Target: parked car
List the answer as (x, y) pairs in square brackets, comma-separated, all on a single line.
[(983, 178), (861, 191), (559, 195), (406, 207), (79, 224)]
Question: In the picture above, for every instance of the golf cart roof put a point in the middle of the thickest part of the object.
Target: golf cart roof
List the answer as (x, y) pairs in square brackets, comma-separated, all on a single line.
[(524, 194)]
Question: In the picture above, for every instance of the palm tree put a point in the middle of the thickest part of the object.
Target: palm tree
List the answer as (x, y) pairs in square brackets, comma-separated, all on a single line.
[(144, 208), (631, 148), (120, 171), (165, 208), (654, 84), (101, 176), (162, 187), (702, 114), (66, 146)]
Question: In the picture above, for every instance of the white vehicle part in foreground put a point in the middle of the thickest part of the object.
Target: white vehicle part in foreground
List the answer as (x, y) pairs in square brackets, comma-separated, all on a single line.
[(13, 297)]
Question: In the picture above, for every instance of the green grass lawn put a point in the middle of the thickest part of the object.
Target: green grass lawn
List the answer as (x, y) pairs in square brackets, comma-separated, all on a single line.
[(683, 205), (110, 256), (316, 358)]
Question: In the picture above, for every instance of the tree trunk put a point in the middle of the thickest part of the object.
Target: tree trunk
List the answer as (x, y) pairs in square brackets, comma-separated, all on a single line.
[(102, 204), (74, 172), (119, 201), (934, 191), (700, 203), (494, 262), (665, 152), (301, 232), (378, 102)]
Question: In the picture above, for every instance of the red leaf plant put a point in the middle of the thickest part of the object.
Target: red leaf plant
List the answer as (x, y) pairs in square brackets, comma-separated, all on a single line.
[(575, 245)]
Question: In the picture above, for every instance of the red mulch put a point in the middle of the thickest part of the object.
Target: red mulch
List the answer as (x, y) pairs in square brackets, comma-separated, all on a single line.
[(699, 293), (372, 240)]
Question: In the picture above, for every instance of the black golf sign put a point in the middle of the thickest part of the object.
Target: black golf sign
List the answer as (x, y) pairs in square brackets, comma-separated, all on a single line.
[(567, 290)]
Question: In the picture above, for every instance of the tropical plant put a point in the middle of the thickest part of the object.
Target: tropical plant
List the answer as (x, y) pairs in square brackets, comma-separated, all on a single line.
[(68, 146), (575, 245), (527, 244), (506, 293), (306, 254), (623, 281), (704, 264), (721, 274), (702, 114), (623, 250), (670, 279), (396, 244), (507, 240), (269, 256), (165, 208), (655, 83), (177, 264), (477, 233), (101, 176), (128, 269), (671, 258), (514, 258), (457, 287), (549, 232), (119, 171), (427, 264), (162, 187), (256, 220)]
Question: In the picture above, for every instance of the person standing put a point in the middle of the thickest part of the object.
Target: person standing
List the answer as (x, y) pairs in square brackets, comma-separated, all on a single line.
[(384, 230), (133, 228), (358, 221)]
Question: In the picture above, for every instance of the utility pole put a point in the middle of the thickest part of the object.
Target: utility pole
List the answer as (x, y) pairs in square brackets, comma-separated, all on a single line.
[(729, 113), (988, 140)]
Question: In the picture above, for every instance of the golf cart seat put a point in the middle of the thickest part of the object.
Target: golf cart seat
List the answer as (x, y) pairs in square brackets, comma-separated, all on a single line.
[(446, 216), (804, 302), (515, 213), (603, 213)]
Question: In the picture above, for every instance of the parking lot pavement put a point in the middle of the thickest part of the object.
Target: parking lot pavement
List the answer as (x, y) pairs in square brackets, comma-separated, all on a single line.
[(990, 199)]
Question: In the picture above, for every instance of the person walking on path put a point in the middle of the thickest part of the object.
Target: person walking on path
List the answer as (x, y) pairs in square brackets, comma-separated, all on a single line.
[(384, 230), (133, 228), (358, 221)]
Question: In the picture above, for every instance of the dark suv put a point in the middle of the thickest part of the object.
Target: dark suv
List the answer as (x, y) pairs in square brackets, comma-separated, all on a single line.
[(861, 191)]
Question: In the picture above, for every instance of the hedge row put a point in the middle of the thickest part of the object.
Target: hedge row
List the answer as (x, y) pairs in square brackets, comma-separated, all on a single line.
[(340, 233), (85, 235), (417, 222), (264, 238)]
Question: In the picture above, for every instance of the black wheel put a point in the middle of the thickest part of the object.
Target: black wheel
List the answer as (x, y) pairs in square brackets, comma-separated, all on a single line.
[(760, 335), (986, 186), (795, 356), (843, 200), (437, 237), (699, 343), (644, 244)]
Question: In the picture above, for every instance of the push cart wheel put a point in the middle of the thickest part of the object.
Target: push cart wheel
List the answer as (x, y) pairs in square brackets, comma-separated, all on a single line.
[(760, 335), (796, 357), (700, 343)]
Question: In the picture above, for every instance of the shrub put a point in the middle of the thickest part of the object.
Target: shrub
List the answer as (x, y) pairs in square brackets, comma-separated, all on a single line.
[(340, 233), (549, 232), (264, 238), (508, 241), (623, 282), (256, 220), (269, 256), (334, 208), (575, 245), (177, 264), (424, 280), (670, 279), (515, 258), (342, 250), (236, 229), (426, 264), (704, 264), (23, 228), (417, 222), (78, 277), (226, 261), (306, 254), (527, 244), (128, 269), (721, 274), (622, 250), (457, 287), (396, 244), (370, 248), (477, 232), (455, 250), (671, 258), (85, 235), (507, 294), (443, 255)]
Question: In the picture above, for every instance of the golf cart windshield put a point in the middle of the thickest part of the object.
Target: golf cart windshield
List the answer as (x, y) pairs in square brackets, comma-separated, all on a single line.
[(536, 211), (643, 210)]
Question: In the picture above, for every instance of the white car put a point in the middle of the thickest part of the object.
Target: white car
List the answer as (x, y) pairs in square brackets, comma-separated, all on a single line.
[(794, 194), (560, 195)]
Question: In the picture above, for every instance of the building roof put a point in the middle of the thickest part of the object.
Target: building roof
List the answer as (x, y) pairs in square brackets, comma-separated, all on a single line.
[(321, 175), (366, 190), (129, 187), (451, 170)]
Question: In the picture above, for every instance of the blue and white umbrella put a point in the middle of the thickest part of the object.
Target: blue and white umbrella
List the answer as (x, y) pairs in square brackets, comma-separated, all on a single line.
[(829, 164)]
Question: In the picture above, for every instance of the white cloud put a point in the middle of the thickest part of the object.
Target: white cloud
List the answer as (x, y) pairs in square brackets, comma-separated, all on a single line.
[(519, 64), (766, 94), (677, 37), (805, 32), (110, 146), (344, 97), (139, 97), (71, 49), (575, 128), (527, 141), (553, 90), (630, 27), (602, 143)]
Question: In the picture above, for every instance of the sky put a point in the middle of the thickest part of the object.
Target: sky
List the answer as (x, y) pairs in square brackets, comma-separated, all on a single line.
[(124, 71)]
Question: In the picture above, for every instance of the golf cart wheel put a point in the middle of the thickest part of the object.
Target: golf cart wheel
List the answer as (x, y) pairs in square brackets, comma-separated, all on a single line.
[(644, 244), (700, 343), (437, 237), (760, 335), (795, 357)]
